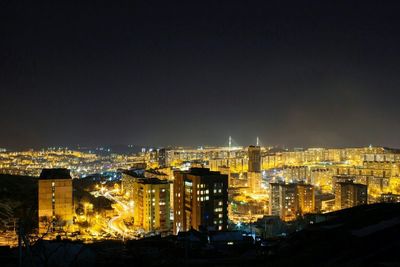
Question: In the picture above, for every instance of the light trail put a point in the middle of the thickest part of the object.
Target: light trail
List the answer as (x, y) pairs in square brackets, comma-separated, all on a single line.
[(116, 223)]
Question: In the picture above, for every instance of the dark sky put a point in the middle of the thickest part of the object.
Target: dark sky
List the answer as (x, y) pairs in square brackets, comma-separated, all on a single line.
[(298, 73)]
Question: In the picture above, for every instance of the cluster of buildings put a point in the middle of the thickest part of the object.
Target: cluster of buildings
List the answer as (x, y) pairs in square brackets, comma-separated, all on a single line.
[(81, 164), (199, 200), (204, 189), (288, 201), (268, 174)]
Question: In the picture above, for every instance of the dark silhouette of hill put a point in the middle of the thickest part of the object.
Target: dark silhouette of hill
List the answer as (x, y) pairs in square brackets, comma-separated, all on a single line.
[(18, 198), (360, 236)]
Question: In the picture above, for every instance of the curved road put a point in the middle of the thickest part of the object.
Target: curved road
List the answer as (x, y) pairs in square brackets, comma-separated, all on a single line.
[(116, 223)]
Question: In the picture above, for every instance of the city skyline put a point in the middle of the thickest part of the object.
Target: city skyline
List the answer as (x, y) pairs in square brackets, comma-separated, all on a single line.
[(210, 199), (199, 133), (294, 74)]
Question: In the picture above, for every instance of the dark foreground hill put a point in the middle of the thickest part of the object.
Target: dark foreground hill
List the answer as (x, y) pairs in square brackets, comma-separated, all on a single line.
[(18, 199), (360, 236)]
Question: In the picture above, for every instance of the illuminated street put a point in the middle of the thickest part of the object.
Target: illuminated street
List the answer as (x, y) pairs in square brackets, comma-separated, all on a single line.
[(116, 225)]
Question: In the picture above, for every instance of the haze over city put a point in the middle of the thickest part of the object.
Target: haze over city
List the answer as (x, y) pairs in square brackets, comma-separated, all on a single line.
[(158, 74)]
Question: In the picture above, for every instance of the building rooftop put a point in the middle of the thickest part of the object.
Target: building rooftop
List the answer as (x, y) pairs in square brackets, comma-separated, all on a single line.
[(202, 171), (152, 181), (60, 173), (350, 182)]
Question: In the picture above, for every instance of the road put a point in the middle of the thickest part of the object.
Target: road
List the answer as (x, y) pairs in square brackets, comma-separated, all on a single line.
[(116, 224)]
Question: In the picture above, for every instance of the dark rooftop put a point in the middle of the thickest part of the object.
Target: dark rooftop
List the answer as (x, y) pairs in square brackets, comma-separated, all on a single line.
[(59, 173), (202, 171), (152, 181)]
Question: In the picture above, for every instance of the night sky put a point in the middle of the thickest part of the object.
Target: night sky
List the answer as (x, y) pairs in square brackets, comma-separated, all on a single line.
[(294, 73)]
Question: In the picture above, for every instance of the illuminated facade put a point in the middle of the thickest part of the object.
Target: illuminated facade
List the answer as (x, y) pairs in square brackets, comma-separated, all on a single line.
[(321, 177), (163, 157), (236, 165), (306, 198), (55, 200), (349, 194), (254, 182), (151, 200), (254, 154), (200, 200), (254, 169), (291, 200), (295, 173), (150, 197), (390, 198)]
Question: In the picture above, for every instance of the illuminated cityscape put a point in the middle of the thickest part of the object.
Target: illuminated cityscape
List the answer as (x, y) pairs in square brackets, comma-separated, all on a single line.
[(156, 190), (203, 133), (175, 191)]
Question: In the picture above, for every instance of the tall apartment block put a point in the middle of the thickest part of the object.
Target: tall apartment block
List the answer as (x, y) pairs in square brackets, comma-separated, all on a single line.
[(200, 200), (254, 168), (290, 200), (151, 197), (349, 194), (55, 200), (151, 201), (254, 163)]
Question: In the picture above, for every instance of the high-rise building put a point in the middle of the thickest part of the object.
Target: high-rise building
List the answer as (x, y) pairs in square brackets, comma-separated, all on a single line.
[(151, 200), (254, 182), (274, 199), (254, 153), (55, 200), (306, 198), (290, 200), (226, 171), (254, 168), (163, 157), (200, 200), (349, 194)]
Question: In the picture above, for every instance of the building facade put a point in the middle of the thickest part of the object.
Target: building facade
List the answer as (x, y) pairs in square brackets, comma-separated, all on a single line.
[(200, 200), (254, 154), (349, 194), (151, 200), (288, 201), (55, 201)]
